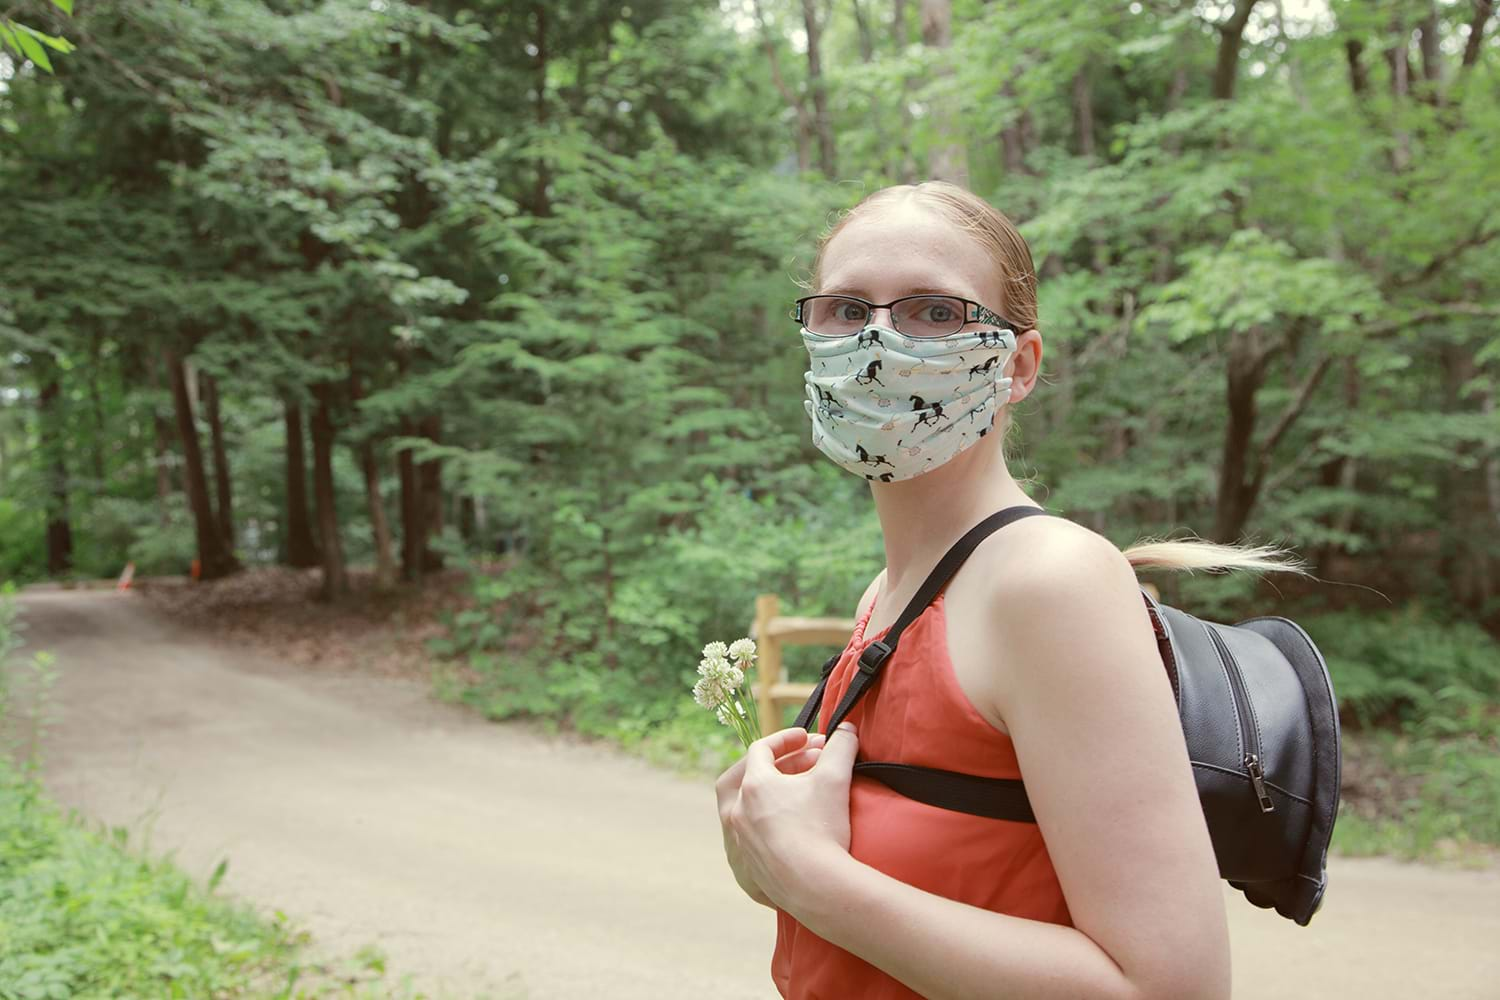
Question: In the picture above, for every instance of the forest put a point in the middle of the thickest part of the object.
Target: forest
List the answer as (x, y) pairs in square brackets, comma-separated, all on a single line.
[(388, 287)]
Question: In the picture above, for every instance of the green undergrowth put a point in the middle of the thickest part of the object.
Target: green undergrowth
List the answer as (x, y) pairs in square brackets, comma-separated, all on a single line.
[(1423, 792), (1419, 698), (544, 643)]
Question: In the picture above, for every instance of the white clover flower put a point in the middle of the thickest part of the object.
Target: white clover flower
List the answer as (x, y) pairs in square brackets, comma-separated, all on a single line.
[(717, 668), (722, 715), (709, 692), (742, 649), (733, 676), (715, 651), (741, 708)]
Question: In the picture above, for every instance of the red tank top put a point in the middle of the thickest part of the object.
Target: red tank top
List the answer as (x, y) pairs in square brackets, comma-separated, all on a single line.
[(918, 714)]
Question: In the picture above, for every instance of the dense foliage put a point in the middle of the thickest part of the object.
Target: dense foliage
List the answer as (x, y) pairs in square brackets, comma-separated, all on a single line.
[(403, 283)]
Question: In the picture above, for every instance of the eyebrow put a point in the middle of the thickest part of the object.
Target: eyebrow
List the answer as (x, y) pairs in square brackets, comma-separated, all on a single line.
[(912, 290)]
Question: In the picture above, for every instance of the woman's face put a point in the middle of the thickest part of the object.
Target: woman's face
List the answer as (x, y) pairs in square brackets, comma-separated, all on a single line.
[(904, 249)]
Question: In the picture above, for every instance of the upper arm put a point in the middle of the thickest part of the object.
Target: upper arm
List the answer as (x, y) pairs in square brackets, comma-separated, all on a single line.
[(1100, 744)]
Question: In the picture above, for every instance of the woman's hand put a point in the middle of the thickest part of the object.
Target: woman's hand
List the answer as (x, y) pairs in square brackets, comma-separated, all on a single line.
[(799, 750), (784, 807)]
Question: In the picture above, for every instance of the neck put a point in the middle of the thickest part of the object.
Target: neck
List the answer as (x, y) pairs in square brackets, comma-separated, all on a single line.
[(921, 518)]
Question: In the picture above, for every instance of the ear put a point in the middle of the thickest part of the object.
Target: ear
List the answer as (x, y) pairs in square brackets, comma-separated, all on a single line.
[(1025, 365)]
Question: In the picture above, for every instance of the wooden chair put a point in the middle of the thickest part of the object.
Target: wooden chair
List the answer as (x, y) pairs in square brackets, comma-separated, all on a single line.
[(772, 633)]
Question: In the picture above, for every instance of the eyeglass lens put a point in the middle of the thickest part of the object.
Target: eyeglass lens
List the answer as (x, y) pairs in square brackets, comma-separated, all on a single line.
[(920, 316)]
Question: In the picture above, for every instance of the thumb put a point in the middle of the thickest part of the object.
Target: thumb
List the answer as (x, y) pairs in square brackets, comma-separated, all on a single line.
[(840, 750)]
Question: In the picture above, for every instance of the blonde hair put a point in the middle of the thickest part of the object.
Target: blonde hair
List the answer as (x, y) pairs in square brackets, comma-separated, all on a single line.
[(999, 238)]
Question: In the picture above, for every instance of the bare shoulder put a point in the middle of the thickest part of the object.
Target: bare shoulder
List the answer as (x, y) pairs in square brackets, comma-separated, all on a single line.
[(1061, 599), (1052, 564)]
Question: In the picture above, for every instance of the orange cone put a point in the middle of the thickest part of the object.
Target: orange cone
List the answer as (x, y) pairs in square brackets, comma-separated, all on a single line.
[(128, 575)]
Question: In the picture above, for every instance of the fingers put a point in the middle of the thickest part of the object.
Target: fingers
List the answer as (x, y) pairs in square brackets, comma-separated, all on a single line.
[(761, 755), (802, 760), (728, 784), (839, 752)]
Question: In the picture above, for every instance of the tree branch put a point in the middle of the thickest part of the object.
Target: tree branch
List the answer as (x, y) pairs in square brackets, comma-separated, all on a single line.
[(1483, 10), (1476, 239), (1296, 406)]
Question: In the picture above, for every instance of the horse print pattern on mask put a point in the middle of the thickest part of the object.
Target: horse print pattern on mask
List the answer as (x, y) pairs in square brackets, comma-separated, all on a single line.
[(945, 380), (930, 414)]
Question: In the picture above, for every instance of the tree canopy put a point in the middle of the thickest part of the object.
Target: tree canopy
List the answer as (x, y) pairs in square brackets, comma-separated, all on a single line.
[(394, 282)]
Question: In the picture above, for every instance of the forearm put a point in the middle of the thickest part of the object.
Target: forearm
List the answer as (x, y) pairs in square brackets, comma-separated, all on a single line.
[(947, 950)]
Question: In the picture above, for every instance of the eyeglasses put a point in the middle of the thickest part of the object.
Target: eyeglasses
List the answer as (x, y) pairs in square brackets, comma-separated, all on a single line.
[(913, 315)]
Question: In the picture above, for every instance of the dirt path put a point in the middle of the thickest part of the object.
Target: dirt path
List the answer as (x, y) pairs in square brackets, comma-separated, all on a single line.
[(493, 860)]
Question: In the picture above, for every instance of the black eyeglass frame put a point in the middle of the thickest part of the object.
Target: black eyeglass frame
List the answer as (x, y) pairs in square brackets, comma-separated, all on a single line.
[(973, 311)]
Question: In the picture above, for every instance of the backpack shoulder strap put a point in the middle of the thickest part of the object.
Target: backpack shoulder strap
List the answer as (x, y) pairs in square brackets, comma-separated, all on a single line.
[(877, 653)]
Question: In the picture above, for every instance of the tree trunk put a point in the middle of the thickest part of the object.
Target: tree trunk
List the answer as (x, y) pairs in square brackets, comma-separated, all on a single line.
[(208, 391), (827, 152), (301, 545), (949, 162), (100, 431), (214, 559), (908, 167), (1015, 137), (413, 530), (1230, 35), (52, 440), (1427, 44), (1490, 469), (431, 473), (163, 455), (541, 199), (385, 566), (1483, 11), (1083, 112), (468, 519), (335, 579), (793, 99), (1341, 473), (1245, 373)]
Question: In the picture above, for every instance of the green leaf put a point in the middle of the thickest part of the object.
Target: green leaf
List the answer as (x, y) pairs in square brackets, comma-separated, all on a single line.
[(32, 49), (66, 6), (9, 38), (51, 41)]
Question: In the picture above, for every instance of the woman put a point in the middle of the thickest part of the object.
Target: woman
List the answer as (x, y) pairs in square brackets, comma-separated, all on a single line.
[(1038, 659)]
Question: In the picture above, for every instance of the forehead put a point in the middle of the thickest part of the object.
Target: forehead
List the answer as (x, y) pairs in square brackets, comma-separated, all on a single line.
[(904, 249)]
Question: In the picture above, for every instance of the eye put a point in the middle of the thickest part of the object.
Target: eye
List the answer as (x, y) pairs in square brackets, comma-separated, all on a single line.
[(939, 312), (850, 311)]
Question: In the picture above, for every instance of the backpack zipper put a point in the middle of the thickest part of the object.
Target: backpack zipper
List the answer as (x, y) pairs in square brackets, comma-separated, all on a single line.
[(1248, 736)]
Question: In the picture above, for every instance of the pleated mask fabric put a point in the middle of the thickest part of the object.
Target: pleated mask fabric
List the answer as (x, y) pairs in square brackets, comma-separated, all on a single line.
[(890, 407)]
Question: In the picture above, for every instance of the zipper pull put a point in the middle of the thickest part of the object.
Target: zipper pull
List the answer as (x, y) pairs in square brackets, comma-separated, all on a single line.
[(1258, 781)]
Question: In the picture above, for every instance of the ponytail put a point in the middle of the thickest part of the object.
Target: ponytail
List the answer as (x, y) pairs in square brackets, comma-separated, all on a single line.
[(1195, 555)]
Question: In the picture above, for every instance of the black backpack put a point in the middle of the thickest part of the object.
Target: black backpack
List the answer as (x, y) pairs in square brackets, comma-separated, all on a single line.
[(1262, 733)]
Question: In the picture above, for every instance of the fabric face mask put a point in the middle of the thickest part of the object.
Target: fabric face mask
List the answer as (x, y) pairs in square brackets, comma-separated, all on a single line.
[(890, 407)]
